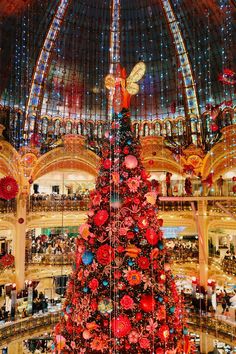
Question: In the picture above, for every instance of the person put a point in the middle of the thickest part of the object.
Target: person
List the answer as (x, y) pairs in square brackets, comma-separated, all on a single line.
[(168, 189), (24, 313), (207, 184), (199, 176), (188, 186), (220, 183), (224, 305)]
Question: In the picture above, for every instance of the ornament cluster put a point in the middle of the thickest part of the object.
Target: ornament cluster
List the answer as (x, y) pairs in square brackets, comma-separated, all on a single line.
[(121, 296)]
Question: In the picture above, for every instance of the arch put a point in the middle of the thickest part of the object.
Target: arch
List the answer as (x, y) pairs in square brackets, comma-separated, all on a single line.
[(157, 128), (42, 65), (136, 129), (64, 158), (156, 157), (10, 162), (68, 126), (220, 159), (227, 117)]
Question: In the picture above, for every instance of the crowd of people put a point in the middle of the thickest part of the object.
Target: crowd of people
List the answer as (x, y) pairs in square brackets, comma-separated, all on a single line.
[(52, 245), (194, 185), (213, 302), (183, 251)]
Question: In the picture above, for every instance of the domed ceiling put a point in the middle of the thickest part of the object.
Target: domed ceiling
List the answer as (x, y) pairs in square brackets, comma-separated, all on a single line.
[(79, 61)]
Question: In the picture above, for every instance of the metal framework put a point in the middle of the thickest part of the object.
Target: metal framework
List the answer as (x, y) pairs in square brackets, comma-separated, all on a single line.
[(184, 62), (41, 67)]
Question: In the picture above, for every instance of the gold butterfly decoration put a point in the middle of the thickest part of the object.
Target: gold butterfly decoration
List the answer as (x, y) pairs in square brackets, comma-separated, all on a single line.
[(124, 86), (128, 83)]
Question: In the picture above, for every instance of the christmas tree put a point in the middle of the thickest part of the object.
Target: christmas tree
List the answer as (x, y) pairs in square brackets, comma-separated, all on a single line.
[(121, 296)]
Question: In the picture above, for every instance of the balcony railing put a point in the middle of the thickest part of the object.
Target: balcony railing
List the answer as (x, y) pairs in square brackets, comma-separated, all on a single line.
[(7, 206), (229, 266), (47, 203), (52, 259), (31, 325)]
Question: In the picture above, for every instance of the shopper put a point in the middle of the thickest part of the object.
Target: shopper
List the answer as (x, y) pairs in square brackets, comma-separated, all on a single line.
[(220, 183)]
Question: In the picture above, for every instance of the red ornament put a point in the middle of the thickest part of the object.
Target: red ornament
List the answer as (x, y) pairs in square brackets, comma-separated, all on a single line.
[(214, 127), (143, 262), (101, 217), (8, 188), (7, 260), (152, 237), (21, 220), (144, 174), (107, 164), (126, 150), (131, 162), (147, 303), (143, 222), (164, 333), (105, 254), (138, 316), (151, 162), (121, 326), (160, 351)]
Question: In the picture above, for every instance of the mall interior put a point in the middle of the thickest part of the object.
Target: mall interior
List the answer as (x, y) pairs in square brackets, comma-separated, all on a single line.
[(67, 68)]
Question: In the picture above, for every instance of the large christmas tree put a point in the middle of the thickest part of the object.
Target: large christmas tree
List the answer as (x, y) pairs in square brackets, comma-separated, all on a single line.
[(121, 296)]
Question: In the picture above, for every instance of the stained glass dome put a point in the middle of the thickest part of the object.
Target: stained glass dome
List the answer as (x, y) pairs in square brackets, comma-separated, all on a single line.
[(185, 45)]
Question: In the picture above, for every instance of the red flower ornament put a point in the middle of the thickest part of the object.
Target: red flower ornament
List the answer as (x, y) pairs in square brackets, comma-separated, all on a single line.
[(105, 255), (121, 326), (7, 260), (8, 188), (164, 333), (127, 302), (147, 303), (101, 217)]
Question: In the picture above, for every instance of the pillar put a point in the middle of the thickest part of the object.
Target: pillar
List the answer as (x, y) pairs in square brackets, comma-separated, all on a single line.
[(206, 343), (15, 347), (20, 241), (202, 227)]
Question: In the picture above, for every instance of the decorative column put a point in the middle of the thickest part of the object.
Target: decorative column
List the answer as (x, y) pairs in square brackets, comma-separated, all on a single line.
[(201, 220), (20, 237), (202, 227)]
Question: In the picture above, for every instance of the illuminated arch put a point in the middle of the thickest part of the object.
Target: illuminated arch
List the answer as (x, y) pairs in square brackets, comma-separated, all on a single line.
[(10, 162), (63, 158), (190, 90), (156, 157), (37, 86), (220, 159)]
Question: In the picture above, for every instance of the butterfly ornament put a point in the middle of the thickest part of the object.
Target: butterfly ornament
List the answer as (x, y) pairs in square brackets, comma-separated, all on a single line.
[(124, 87)]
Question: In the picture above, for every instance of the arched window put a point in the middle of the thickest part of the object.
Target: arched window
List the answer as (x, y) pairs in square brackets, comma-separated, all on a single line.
[(227, 119), (234, 117), (74, 128), (57, 125), (45, 126), (193, 122), (157, 129), (146, 129), (62, 130), (168, 128), (99, 131), (208, 121), (31, 121), (80, 128), (68, 127), (136, 129), (90, 129), (180, 127)]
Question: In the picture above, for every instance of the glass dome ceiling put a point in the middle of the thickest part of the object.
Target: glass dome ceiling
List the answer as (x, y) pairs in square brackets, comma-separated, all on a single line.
[(74, 83)]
